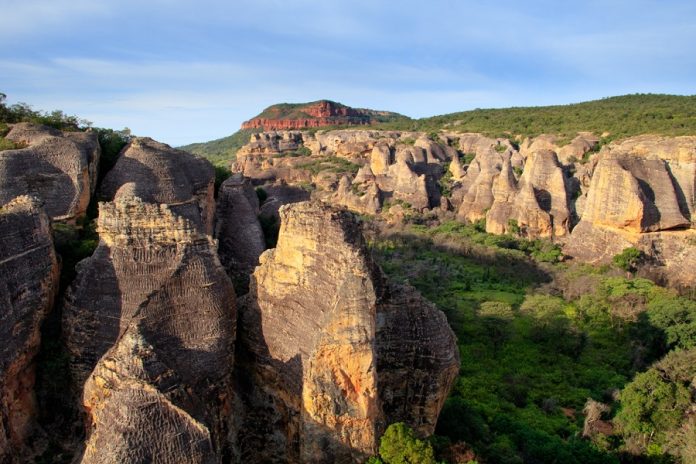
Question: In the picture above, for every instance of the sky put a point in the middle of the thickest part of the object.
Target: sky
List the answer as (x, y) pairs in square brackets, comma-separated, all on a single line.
[(191, 71)]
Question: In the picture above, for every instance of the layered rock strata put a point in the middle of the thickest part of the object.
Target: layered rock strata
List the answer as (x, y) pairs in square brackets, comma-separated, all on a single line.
[(316, 114), (150, 322), (157, 173), (320, 331), (60, 168), (28, 283)]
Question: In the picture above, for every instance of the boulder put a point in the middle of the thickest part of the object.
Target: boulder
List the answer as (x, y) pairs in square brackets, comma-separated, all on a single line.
[(60, 168), (158, 173)]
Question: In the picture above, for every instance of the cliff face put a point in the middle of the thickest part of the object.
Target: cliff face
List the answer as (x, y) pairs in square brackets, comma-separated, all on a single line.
[(157, 173), (318, 337), (60, 168), (317, 114), (28, 282)]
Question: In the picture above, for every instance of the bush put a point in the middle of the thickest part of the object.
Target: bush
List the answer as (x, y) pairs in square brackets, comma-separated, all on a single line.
[(399, 445), (628, 259)]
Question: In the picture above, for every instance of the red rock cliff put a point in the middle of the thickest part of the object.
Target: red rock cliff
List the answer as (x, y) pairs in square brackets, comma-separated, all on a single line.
[(317, 114)]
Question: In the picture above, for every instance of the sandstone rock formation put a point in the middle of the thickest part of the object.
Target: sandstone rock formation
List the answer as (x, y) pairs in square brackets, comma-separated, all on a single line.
[(543, 173), (238, 230), (157, 173), (641, 194), (150, 263), (322, 350), (316, 114), (28, 283), (58, 167), (151, 315)]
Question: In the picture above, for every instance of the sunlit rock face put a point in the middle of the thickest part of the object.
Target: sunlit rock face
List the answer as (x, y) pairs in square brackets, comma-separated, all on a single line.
[(320, 330)]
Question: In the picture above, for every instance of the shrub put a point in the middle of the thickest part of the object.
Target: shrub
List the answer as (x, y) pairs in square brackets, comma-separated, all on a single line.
[(513, 226), (628, 259), (399, 445)]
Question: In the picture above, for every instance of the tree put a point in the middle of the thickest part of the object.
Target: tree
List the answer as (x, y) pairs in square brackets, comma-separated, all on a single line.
[(628, 259), (399, 445), (653, 406)]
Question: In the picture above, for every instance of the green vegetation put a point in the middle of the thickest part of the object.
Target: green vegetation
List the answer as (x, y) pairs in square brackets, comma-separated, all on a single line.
[(622, 116), (21, 112), (628, 259), (330, 164), (301, 151), (538, 337), (467, 158), (222, 173), (221, 151), (399, 445)]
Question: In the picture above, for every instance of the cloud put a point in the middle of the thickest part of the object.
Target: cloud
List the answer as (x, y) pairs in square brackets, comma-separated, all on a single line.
[(28, 18)]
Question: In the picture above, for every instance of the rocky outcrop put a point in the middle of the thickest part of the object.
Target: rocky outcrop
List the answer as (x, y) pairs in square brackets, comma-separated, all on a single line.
[(316, 114), (665, 168), (150, 263), (28, 282), (238, 230), (641, 195), (477, 185), (544, 176), (142, 410), (60, 168), (322, 348), (150, 325), (352, 196), (417, 358), (567, 152), (157, 173)]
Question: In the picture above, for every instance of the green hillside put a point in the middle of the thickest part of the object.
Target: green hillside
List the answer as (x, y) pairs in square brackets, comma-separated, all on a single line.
[(221, 151), (622, 116)]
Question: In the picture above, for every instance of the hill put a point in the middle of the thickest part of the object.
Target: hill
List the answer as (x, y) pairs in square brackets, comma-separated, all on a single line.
[(320, 113), (618, 117)]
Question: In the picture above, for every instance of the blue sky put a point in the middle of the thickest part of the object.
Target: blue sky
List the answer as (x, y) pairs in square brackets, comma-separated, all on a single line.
[(186, 71)]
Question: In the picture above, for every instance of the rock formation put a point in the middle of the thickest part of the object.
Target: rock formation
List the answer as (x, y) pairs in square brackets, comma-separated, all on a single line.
[(28, 282), (321, 346), (544, 176), (316, 114), (157, 173), (151, 315), (146, 256), (238, 230), (641, 194), (60, 168)]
